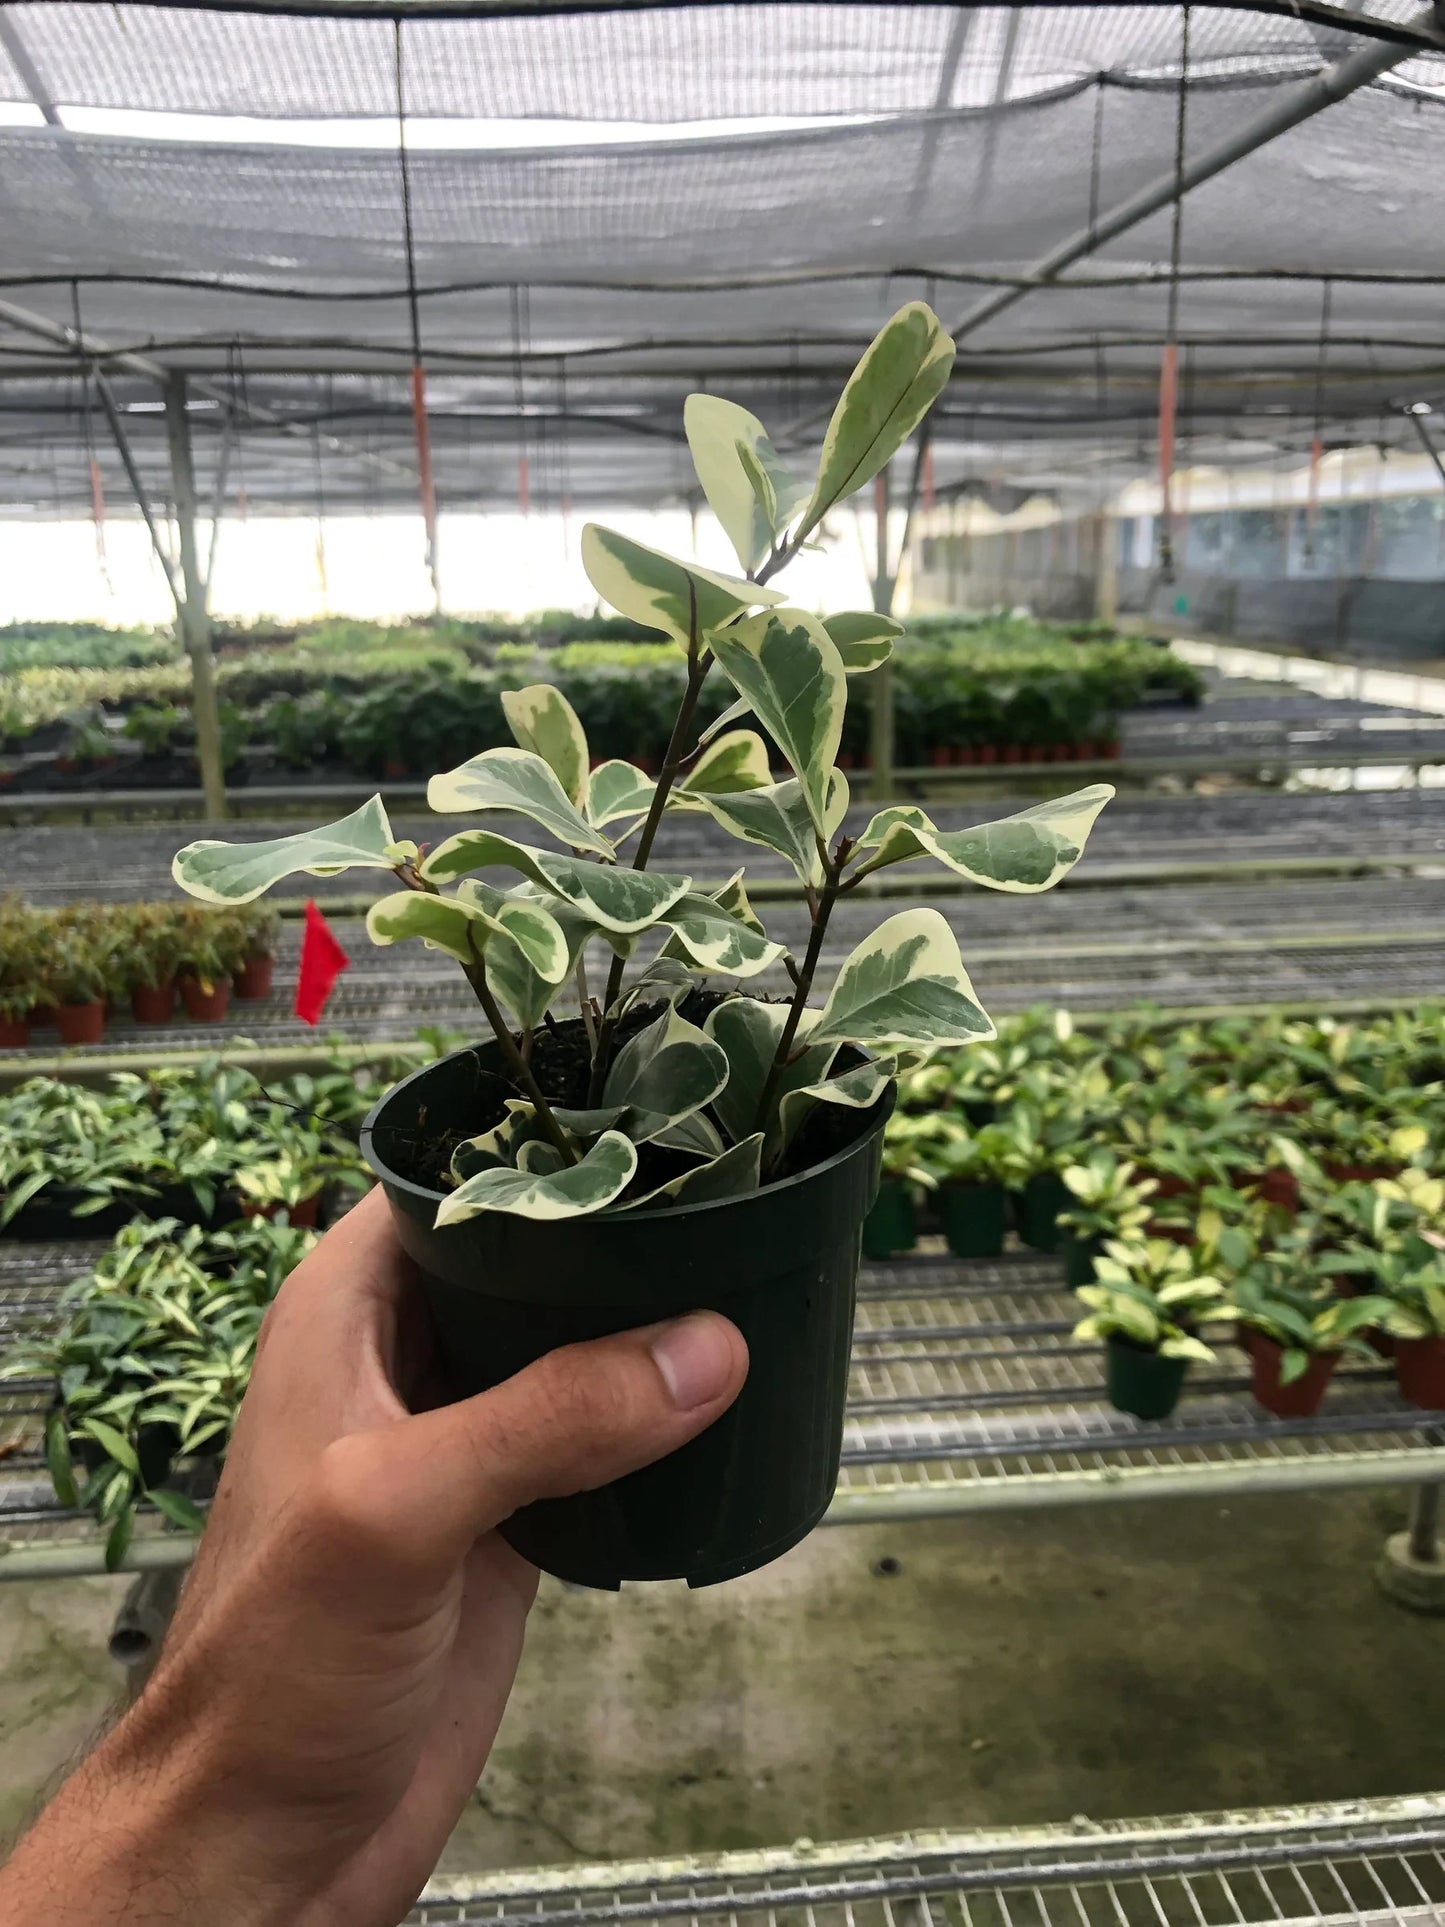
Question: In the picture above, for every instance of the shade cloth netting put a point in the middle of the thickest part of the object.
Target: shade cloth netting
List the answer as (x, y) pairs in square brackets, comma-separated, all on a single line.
[(572, 294)]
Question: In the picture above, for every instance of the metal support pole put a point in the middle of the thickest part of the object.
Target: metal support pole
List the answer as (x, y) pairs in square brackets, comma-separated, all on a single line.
[(195, 623), (1426, 443), (1106, 568), (1411, 1569), (138, 487), (1425, 1525), (880, 683)]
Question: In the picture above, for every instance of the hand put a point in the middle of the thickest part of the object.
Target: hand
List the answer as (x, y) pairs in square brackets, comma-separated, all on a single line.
[(343, 1650)]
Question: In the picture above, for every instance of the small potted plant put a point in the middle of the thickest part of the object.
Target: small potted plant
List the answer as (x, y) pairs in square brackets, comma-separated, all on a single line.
[(1146, 1302), (965, 1170), (289, 1182), (1110, 1200), (152, 943), (678, 1143), (891, 1225), (1036, 1149), (75, 984), (208, 951), (259, 927), (1296, 1330), (20, 980)]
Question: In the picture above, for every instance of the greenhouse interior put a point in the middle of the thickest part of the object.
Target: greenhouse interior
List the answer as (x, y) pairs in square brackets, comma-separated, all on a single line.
[(901, 1162)]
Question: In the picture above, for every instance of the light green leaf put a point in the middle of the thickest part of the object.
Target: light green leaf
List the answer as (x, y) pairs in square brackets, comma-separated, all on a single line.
[(543, 721), (516, 779), (463, 928), (737, 761), (117, 1543), (58, 1460), (904, 986), (855, 1089), (660, 591), (778, 818), (788, 667), (501, 1146), (730, 1174), (864, 640), (118, 1448), (748, 1033), (590, 1184), (525, 992), (666, 1072), (746, 485), (218, 872), (617, 789), (180, 1510), (899, 378), (734, 713), (696, 1135), (1026, 852), (716, 941), (622, 902)]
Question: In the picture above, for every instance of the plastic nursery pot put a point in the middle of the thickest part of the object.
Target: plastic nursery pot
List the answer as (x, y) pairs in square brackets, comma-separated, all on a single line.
[(1420, 1372), (14, 1033), (1381, 1343), (891, 1225), (1301, 1398), (975, 1218), (44, 1016), (302, 1215), (81, 1023), (253, 980), (205, 1003), (781, 1263), (1140, 1382), (153, 1003), (1037, 1208), (1078, 1255)]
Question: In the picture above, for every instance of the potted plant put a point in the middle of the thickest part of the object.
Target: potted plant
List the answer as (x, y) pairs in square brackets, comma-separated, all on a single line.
[(1296, 1329), (678, 1143), (152, 946), (208, 951), (891, 1225), (1146, 1302), (259, 927), (1031, 1164), (21, 984), (1413, 1280), (965, 1170), (290, 1181), (75, 982), (1110, 1200)]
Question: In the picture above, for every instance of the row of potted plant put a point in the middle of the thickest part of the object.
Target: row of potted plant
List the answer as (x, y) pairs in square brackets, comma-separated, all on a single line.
[(70, 968)]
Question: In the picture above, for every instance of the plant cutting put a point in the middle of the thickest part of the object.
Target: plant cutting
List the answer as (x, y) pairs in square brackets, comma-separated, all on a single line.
[(151, 952), (891, 1225), (678, 1143), (1297, 1329), (258, 928), (966, 1171), (1146, 1303), (75, 980), (209, 950), (1110, 1200)]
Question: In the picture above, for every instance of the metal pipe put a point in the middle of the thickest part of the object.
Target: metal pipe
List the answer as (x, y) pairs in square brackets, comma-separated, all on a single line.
[(140, 1626), (195, 624), (1425, 1525), (1293, 106)]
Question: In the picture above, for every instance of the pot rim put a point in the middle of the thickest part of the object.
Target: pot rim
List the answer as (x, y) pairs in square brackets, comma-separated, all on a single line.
[(874, 1117)]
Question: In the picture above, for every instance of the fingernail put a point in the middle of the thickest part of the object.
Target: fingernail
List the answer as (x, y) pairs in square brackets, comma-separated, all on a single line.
[(695, 1357)]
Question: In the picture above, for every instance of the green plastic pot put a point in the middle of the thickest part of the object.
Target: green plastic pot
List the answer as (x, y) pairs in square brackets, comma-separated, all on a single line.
[(1142, 1383), (1078, 1255), (891, 1225), (974, 1218), (781, 1263), (1037, 1208)]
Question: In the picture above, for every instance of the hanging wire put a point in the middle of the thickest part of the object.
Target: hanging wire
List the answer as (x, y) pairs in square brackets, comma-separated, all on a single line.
[(1169, 366), (420, 424)]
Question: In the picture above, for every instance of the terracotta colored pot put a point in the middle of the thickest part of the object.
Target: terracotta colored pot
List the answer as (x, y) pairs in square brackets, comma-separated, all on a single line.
[(394, 769), (1013, 753), (1083, 750), (1275, 1185), (1060, 752), (1035, 753), (940, 756), (302, 1215), (14, 1033), (44, 1016), (1172, 1187), (1112, 750), (1360, 1173), (987, 753), (153, 1003), (1420, 1372), (253, 980), (81, 1023), (1304, 1396), (1348, 1285), (205, 1006)]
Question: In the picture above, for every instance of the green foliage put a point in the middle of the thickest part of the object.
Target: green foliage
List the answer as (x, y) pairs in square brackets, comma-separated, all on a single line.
[(1149, 1293)]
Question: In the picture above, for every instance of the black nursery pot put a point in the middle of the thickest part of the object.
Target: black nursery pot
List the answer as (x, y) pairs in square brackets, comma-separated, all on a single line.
[(781, 1263)]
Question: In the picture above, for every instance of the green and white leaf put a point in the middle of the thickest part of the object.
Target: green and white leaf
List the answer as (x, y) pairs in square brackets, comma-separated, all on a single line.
[(737, 761), (619, 901), (731, 1174), (1026, 852), (660, 591), (901, 375), (594, 1182), (748, 1033), (543, 721), (518, 780), (856, 1089), (666, 1072), (522, 988), (746, 485), (696, 1135), (863, 638), (904, 986), (617, 790), (464, 928), (716, 941), (220, 872), (778, 817), (734, 713), (788, 667)]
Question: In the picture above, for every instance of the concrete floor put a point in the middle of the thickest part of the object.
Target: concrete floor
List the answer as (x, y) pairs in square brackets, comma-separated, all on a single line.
[(1135, 1659)]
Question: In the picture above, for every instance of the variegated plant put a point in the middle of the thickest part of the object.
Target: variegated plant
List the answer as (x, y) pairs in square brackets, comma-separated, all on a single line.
[(727, 1097)]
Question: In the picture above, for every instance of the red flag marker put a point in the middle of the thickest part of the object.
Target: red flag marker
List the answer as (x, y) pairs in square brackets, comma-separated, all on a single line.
[(322, 962)]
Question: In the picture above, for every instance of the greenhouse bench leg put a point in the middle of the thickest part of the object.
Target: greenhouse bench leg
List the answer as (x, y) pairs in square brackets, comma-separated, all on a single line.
[(1411, 1570), (140, 1626)]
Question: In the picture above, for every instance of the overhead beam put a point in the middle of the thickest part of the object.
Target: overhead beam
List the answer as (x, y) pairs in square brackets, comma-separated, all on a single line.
[(1293, 106)]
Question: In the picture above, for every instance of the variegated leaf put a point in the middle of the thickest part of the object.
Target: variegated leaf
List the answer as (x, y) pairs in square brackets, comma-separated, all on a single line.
[(543, 721), (858, 1089), (731, 1174), (220, 872), (624, 902), (778, 818), (666, 1072), (903, 986), (518, 780), (1026, 852), (716, 941), (788, 667), (746, 485), (525, 992), (737, 761), (749, 1033), (864, 640), (617, 790), (663, 593), (464, 928), (595, 1181)]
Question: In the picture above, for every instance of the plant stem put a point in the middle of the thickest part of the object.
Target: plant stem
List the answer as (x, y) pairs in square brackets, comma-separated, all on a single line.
[(584, 1001), (519, 1067), (805, 977)]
